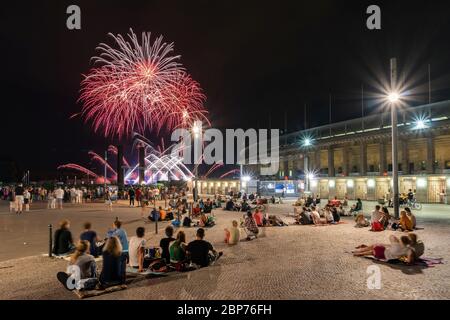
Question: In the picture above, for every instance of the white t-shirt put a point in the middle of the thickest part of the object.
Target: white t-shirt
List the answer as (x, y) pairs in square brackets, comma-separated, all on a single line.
[(133, 249), (376, 216), (395, 251), (316, 217), (59, 193)]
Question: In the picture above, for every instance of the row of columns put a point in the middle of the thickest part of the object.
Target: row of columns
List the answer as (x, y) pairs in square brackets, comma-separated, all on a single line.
[(403, 146)]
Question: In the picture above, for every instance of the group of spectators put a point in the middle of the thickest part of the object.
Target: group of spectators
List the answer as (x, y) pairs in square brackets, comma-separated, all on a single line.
[(118, 252)]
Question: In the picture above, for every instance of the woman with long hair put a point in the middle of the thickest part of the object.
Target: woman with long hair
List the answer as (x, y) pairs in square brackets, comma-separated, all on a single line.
[(114, 263), (63, 243), (82, 268), (178, 248)]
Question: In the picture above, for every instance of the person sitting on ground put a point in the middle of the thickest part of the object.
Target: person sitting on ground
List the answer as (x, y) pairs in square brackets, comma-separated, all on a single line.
[(394, 250), (91, 236), (417, 247), (356, 207), (345, 202), (154, 215), (162, 214), (172, 203), (375, 219), (361, 221), (63, 243), (87, 268), (114, 264), (335, 202), (177, 250), (121, 234), (259, 217), (304, 217), (201, 252), (341, 211), (335, 214), (404, 224), (165, 244), (385, 218), (196, 210), (317, 220), (137, 250), (208, 206), (250, 226), (232, 235), (229, 206), (328, 215), (411, 217), (245, 206)]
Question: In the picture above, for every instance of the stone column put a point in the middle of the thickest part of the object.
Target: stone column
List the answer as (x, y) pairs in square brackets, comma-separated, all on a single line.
[(430, 155), (405, 156), (362, 158), (345, 160), (331, 161), (317, 164), (382, 152)]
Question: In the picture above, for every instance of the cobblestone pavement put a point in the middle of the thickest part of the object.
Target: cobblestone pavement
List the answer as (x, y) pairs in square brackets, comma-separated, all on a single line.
[(295, 262)]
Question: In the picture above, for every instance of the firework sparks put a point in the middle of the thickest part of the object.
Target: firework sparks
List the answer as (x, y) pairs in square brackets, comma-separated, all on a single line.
[(138, 86)]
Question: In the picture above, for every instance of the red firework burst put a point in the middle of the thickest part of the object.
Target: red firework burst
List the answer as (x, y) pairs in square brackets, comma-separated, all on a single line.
[(139, 86)]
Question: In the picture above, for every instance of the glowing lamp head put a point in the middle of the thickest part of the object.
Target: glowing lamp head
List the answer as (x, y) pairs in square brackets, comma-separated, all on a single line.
[(307, 142), (420, 124), (310, 176), (246, 178), (393, 97)]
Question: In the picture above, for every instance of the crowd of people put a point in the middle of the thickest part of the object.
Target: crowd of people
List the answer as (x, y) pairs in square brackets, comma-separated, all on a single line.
[(119, 252)]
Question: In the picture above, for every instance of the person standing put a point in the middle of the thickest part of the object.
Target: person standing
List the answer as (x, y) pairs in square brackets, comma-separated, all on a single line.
[(131, 195), (59, 195), (12, 201), (19, 191), (27, 199)]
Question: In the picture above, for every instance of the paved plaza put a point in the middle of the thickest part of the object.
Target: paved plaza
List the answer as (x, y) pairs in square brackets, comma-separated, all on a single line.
[(294, 262)]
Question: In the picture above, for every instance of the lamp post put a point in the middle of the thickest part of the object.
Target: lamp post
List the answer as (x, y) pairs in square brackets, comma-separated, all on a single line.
[(393, 99), (197, 131), (104, 179)]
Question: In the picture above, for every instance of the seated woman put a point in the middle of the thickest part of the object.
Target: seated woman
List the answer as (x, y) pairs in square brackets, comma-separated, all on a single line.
[(328, 214), (177, 249), (229, 205), (411, 217), (114, 264), (250, 226), (63, 243), (361, 221), (335, 214), (232, 235), (304, 217), (394, 250), (162, 214), (404, 224), (317, 220), (417, 248), (196, 210), (356, 207), (385, 218), (245, 206), (258, 216), (86, 267)]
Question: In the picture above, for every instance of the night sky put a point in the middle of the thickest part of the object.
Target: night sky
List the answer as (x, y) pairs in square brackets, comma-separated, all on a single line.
[(255, 60)]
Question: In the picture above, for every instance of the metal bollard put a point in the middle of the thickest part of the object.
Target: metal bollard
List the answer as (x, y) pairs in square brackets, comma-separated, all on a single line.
[(50, 239)]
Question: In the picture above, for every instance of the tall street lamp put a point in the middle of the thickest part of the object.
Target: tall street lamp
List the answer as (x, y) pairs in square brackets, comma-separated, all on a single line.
[(393, 98), (197, 131)]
